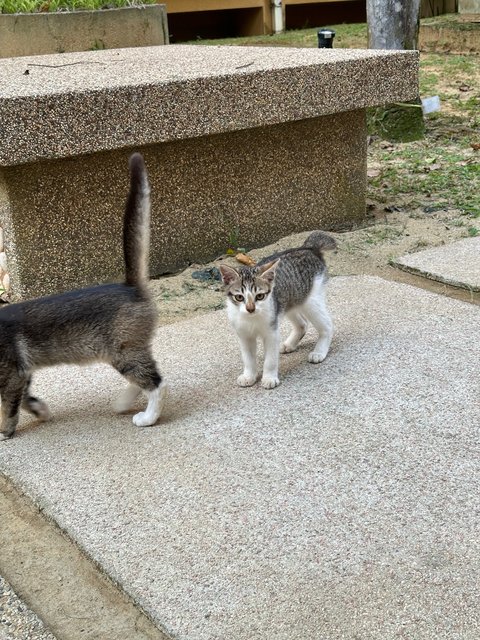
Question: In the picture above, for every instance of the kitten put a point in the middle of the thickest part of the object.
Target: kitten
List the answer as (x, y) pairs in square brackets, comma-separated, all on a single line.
[(290, 282), (112, 323)]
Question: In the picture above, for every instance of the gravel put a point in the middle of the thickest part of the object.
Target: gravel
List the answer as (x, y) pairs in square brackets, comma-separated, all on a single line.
[(17, 622)]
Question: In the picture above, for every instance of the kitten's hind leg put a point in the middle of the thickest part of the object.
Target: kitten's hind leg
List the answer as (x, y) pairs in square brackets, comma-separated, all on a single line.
[(299, 329), (140, 370), (33, 405), (156, 400), (11, 401), (315, 310), (126, 399)]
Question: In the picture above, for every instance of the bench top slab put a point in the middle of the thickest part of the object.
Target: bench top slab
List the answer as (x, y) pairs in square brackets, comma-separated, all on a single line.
[(72, 104)]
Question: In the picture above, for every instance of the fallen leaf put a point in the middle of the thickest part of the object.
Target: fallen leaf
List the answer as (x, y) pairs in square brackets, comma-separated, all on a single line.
[(244, 259), (475, 146), (373, 173)]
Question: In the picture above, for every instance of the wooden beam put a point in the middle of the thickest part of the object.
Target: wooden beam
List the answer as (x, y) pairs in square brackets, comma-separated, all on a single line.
[(187, 6)]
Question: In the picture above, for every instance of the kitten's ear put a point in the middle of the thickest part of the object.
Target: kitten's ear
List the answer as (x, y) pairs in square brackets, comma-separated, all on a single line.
[(228, 274), (267, 271)]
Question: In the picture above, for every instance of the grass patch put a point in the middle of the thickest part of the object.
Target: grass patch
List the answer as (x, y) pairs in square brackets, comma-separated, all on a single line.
[(451, 21), (380, 235), (422, 171), (346, 36), (44, 6)]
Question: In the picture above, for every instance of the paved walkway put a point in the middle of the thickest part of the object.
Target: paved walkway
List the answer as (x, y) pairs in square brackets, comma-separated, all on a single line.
[(343, 504)]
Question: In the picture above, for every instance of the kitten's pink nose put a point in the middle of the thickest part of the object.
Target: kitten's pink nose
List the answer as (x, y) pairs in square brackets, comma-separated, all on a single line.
[(250, 308)]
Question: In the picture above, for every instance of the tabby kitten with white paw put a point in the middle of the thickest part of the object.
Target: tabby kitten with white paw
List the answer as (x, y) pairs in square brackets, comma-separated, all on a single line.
[(290, 283), (111, 323)]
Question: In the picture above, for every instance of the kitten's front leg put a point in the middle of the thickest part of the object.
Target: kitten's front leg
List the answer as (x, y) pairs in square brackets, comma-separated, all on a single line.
[(248, 347), (271, 341), (11, 400)]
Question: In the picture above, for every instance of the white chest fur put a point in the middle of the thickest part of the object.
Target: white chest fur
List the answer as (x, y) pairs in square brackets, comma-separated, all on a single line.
[(257, 324)]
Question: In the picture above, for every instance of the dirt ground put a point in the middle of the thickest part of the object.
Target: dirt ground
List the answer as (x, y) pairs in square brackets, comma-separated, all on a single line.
[(363, 251)]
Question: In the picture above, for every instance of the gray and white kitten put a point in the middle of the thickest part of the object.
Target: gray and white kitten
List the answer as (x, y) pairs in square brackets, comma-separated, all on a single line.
[(112, 323), (288, 283)]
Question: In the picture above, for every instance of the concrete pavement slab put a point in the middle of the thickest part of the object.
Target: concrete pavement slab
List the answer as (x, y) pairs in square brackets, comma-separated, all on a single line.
[(343, 504), (457, 263)]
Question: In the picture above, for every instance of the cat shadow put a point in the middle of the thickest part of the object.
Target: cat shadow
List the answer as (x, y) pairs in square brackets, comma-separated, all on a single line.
[(178, 406), (184, 398)]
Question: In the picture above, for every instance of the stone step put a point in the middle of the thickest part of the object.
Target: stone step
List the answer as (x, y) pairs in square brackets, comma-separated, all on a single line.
[(457, 264)]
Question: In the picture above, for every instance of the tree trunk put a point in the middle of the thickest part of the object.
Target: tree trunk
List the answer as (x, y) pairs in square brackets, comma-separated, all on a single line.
[(394, 24)]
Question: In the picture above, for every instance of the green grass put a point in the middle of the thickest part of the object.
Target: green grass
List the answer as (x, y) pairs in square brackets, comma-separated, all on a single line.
[(428, 83), (376, 236), (450, 20), (38, 6), (418, 172), (347, 36)]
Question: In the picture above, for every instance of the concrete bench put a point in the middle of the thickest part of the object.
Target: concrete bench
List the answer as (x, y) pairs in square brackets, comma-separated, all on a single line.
[(244, 142)]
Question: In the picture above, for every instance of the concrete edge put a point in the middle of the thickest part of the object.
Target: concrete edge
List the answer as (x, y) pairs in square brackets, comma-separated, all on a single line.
[(434, 276), (42, 537)]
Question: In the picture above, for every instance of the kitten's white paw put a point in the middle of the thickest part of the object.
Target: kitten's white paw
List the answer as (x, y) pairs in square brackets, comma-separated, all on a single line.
[(270, 382), (143, 419), (317, 356), (287, 348), (246, 381), (3, 437), (156, 400)]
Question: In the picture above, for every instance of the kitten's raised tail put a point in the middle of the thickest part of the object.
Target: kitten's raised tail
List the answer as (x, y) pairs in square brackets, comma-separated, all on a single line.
[(319, 241), (136, 224)]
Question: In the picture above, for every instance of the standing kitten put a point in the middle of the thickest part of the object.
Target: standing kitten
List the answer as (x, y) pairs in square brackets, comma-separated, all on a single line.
[(290, 282), (112, 323)]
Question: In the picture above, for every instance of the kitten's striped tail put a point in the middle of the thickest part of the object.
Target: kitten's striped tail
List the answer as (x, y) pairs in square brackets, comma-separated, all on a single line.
[(136, 224), (319, 241)]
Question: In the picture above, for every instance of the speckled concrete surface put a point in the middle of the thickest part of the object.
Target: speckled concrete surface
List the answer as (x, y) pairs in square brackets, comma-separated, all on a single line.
[(78, 103), (457, 263), (64, 219), (17, 622), (343, 504)]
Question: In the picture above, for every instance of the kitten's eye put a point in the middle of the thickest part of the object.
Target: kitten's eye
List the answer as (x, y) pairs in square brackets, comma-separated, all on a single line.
[(260, 296), (239, 297)]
